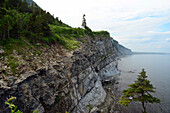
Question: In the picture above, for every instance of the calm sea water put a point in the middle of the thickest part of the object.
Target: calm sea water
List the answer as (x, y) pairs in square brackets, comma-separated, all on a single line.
[(158, 71)]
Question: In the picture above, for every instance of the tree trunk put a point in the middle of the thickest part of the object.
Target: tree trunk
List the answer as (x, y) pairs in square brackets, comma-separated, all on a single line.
[(144, 108)]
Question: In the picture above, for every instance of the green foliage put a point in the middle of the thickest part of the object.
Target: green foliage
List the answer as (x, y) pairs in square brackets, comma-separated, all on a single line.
[(49, 39), (68, 42), (18, 18), (13, 65), (10, 44), (4, 72), (25, 24), (67, 36), (90, 107), (67, 31), (139, 91), (102, 34), (71, 43), (60, 23), (12, 106), (35, 111)]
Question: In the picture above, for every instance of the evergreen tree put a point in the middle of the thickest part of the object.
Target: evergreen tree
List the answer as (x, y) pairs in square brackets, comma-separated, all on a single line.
[(84, 25), (50, 18), (139, 91), (18, 19), (84, 21), (6, 23)]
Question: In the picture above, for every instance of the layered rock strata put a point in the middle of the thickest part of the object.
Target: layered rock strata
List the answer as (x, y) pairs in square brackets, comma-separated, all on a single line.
[(73, 84)]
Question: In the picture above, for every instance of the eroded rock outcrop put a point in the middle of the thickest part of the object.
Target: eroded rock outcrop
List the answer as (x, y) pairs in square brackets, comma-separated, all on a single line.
[(73, 84)]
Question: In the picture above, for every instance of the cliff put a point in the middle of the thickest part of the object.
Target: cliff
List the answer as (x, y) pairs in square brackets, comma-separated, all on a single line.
[(50, 66), (74, 81)]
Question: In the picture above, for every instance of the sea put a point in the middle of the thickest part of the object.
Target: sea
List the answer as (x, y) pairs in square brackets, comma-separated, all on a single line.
[(157, 67)]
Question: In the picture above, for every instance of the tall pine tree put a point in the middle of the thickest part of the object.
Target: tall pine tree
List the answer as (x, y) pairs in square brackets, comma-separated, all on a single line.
[(84, 21), (139, 91)]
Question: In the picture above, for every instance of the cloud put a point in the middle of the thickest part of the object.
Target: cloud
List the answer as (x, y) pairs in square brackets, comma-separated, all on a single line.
[(159, 46), (137, 40), (168, 39), (134, 23), (153, 32)]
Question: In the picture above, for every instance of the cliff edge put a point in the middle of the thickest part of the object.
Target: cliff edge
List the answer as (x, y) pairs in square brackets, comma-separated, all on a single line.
[(71, 82)]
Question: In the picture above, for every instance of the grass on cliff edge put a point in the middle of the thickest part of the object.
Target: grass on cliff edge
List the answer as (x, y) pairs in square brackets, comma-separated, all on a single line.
[(66, 36), (13, 44)]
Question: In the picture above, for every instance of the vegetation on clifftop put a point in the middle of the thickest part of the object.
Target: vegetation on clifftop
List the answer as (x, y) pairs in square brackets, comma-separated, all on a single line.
[(20, 20), (26, 29)]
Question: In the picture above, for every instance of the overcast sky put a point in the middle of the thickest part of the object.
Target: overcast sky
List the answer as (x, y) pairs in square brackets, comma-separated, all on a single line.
[(141, 25)]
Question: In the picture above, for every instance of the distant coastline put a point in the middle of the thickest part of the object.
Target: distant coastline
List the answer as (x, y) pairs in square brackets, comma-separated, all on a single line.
[(150, 53)]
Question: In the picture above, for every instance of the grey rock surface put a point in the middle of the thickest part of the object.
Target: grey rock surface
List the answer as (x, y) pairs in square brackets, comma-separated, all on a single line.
[(73, 83)]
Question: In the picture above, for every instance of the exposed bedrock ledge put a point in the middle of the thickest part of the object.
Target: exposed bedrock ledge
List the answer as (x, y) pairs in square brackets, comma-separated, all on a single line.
[(109, 71), (39, 91), (74, 84), (89, 91), (96, 62), (94, 98)]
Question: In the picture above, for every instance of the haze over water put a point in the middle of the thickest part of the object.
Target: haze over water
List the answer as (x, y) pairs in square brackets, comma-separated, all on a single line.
[(157, 68)]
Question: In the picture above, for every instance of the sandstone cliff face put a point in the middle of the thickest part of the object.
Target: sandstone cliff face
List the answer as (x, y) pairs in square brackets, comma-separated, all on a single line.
[(73, 84)]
